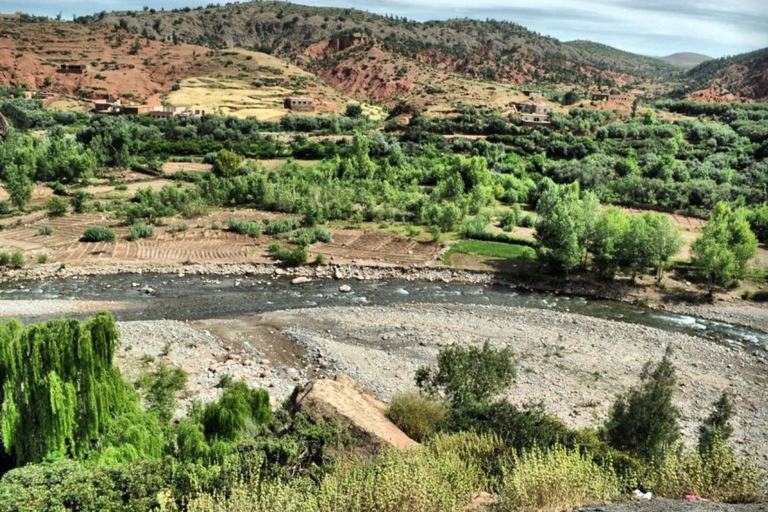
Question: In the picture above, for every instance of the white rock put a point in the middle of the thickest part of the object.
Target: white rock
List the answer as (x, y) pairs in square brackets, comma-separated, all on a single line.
[(301, 280), (345, 288)]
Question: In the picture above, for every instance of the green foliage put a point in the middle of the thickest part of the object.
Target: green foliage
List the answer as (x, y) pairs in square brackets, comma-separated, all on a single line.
[(56, 207), (45, 230), (42, 258), (717, 474), (644, 422), (562, 226), (159, 389), (279, 226), (555, 479), (717, 426), (490, 249), (17, 260), (98, 234), (140, 230), (758, 221), (725, 247), (417, 415), (305, 237), (292, 257), (58, 381), (227, 163), (466, 376), (244, 227), (354, 110), (78, 201)]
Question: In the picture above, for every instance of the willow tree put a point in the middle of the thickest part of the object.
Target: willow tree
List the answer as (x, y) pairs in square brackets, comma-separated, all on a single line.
[(58, 387)]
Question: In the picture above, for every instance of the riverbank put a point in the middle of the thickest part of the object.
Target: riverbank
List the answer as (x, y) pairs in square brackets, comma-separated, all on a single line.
[(727, 308)]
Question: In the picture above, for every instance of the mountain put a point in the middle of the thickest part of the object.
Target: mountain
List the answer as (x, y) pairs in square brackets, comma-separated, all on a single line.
[(123, 65), (686, 59), (743, 76), (386, 58)]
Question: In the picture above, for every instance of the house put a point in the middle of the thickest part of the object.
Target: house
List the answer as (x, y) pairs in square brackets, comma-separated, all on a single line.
[(168, 111), (106, 107), (534, 95), (301, 103), (134, 110), (77, 69), (531, 108), (535, 119), (10, 17), (621, 98)]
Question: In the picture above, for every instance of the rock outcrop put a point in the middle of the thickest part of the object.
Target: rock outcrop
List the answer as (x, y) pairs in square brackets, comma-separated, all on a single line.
[(356, 407)]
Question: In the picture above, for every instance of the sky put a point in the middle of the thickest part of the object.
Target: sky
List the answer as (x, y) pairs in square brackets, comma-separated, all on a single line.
[(650, 27)]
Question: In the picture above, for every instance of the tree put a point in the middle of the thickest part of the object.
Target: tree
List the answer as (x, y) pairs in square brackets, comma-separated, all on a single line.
[(571, 97), (466, 376), (608, 234), (60, 391), (635, 251), (665, 241), (645, 421), (227, 163), (725, 247), (18, 184), (354, 110), (561, 227), (717, 426)]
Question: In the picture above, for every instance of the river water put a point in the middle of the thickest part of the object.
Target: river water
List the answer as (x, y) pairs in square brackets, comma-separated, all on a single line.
[(200, 297)]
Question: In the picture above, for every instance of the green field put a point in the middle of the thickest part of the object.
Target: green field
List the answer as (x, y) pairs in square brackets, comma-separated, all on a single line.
[(491, 250)]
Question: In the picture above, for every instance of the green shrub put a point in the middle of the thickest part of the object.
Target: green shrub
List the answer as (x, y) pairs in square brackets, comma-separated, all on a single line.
[(5, 258), (644, 422), (465, 376), (416, 415), (5, 207), (527, 221), (42, 258), (98, 234), (276, 227), (306, 237), (17, 260), (244, 227), (141, 230), (79, 201), (56, 207), (45, 230), (718, 474), (178, 228), (508, 220), (555, 479), (291, 257)]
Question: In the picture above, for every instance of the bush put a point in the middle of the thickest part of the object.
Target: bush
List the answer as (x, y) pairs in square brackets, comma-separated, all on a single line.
[(56, 207), (141, 230), (416, 415), (98, 234), (42, 258), (78, 201), (306, 237), (554, 479), (17, 259), (5, 207), (276, 227), (291, 257), (644, 421), (5, 258), (45, 231), (244, 227), (718, 474), (466, 376), (178, 228)]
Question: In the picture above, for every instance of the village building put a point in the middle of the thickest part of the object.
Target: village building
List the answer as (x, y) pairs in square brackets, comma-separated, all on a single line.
[(621, 98), (167, 111), (531, 108), (534, 95), (10, 17), (106, 107), (535, 119), (134, 110), (299, 103), (77, 69)]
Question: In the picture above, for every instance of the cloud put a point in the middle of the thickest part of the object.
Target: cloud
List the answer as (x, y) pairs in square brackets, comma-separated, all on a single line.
[(651, 27)]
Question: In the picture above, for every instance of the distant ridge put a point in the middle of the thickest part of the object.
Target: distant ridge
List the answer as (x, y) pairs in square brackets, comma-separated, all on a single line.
[(686, 59)]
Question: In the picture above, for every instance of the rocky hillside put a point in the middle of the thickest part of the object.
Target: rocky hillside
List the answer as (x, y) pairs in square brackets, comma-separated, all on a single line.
[(369, 55), (743, 76), (139, 70)]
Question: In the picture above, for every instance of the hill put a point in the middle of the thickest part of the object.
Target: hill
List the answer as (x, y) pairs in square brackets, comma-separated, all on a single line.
[(686, 59), (136, 70), (369, 55), (743, 76)]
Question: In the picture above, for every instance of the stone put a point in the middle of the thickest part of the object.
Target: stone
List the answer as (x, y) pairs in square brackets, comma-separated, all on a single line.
[(345, 288), (301, 280), (355, 407)]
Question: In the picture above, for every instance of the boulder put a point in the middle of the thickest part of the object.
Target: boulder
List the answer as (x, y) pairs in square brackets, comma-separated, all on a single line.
[(345, 288), (301, 280), (355, 407)]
